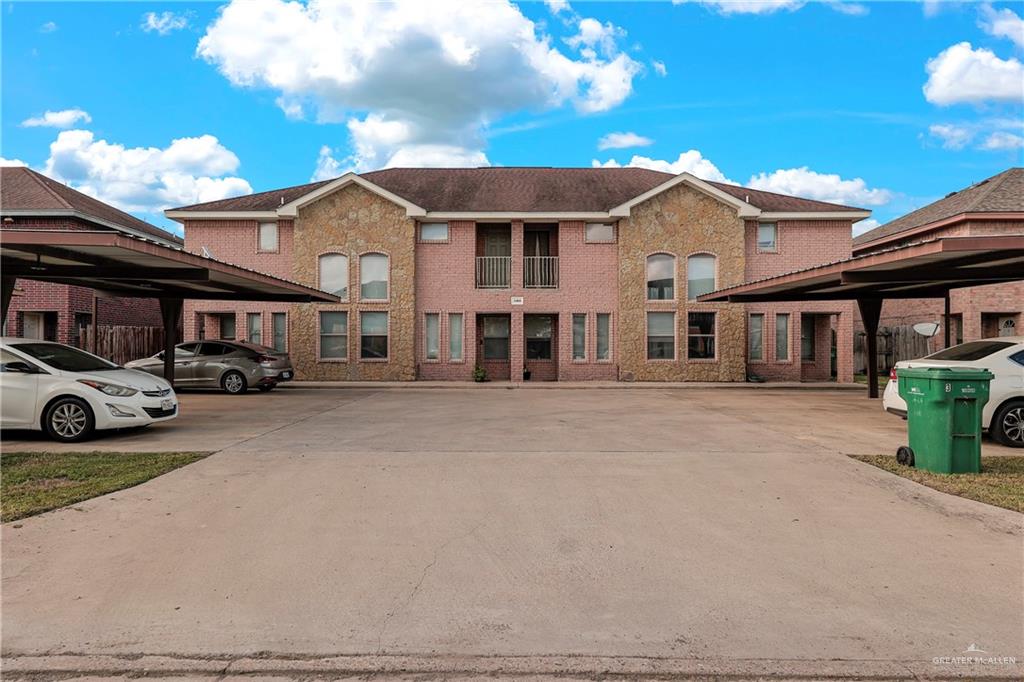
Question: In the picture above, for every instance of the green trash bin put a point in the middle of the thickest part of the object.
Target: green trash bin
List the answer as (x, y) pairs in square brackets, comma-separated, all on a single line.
[(944, 417)]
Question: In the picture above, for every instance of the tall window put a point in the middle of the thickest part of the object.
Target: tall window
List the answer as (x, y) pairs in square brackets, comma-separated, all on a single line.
[(333, 335), (496, 331), (661, 336), (373, 332), (227, 326), (755, 339), (700, 275), (807, 349), (700, 336), (579, 336), (782, 336), (334, 274), (279, 322), (254, 332), (604, 336), (373, 277), (432, 325), (455, 336), (268, 237), (767, 237), (538, 336), (661, 277)]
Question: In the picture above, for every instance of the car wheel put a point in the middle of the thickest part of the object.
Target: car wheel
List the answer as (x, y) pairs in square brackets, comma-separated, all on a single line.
[(1008, 424), (69, 420), (266, 388), (234, 383)]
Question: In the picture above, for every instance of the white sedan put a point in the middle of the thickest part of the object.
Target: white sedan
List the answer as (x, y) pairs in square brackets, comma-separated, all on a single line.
[(69, 393), (1003, 414)]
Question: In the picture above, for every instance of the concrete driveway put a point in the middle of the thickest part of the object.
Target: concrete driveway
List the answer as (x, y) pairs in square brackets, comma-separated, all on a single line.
[(487, 532)]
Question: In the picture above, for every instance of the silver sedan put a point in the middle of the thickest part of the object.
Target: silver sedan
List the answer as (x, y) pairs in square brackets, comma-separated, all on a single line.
[(233, 366)]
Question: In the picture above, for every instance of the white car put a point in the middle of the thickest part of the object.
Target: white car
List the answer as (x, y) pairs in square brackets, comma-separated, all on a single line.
[(1003, 414), (69, 393)]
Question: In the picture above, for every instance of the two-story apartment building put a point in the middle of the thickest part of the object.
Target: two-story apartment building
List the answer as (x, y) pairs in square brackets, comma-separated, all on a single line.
[(546, 273), (58, 312)]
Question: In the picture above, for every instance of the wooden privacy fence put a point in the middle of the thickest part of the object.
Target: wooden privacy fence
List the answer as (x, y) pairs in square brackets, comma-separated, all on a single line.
[(122, 344), (894, 345)]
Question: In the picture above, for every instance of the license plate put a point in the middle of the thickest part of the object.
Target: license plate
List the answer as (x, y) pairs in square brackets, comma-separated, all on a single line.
[(286, 375), (166, 404)]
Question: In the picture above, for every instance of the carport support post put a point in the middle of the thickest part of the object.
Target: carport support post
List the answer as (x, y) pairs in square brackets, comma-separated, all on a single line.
[(946, 320), (170, 309), (870, 312), (8, 292)]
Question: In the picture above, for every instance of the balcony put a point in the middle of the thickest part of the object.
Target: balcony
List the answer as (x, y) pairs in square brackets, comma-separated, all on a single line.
[(540, 272), (493, 272)]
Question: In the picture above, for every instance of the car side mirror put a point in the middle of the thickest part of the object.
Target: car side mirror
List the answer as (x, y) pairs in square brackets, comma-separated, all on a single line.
[(20, 367)]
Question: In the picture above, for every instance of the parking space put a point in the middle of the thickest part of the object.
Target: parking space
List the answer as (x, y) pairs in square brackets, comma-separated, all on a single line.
[(701, 524)]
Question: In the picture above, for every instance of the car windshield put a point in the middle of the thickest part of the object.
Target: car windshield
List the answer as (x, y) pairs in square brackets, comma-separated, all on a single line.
[(65, 358), (972, 350)]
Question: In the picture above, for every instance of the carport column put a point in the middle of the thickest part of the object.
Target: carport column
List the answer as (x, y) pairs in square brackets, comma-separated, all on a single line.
[(946, 319), (870, 312), (8, 292), (170, 310)]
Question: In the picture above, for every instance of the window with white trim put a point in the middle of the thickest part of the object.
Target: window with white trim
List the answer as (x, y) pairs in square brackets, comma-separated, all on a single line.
[(700, 275), (767, 236), (373, 277), (755, 337), (700, 336), (433, 232), (604, 336), (268, 237), (782, 336), (661, 277), (455, 336), (661, 336), (333, 334), (579, 336), (334, 274), (432, 327), (254, 331), (373, 331), (279, 323), (599, 232)]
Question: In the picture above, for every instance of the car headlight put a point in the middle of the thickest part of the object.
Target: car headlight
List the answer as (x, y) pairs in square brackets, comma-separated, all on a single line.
[(109, 389)]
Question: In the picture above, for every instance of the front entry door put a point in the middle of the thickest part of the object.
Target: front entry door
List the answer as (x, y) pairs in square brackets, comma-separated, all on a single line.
[(32, 325), (494, 332)]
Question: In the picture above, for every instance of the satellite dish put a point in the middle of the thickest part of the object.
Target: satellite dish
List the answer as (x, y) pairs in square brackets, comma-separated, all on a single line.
[(928, 329)]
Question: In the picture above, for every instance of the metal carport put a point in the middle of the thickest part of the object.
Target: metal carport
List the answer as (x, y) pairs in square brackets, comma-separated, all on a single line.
[(927, 269), (136, 267)]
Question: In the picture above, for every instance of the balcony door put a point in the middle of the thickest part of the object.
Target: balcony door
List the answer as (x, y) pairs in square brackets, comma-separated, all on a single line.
[(493, 256)]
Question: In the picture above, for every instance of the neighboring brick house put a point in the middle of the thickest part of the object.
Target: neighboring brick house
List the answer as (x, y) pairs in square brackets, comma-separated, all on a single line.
[(56, 312), (992, 206), (561, 273)]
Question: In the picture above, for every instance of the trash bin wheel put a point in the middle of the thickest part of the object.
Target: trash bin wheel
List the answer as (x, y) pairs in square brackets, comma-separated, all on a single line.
[(905, 456)]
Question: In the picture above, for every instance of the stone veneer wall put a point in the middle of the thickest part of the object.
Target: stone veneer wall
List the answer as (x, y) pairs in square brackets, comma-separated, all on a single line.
[(681, 221), (355, 221)]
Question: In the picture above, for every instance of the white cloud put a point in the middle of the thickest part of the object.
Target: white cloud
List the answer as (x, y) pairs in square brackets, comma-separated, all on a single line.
[(556, 6), (163, 23), (854, 9), (292, 109), (48, 27), (931, 7), (863, 226), (1001, 23), (327, 166), (748, 6), (7, 163), (623, 141), (692, 162), (659, 67), (65, 118), (1002, 140), (830, 187), (952, 136), (439, 73), (145, 179), (962, 74)]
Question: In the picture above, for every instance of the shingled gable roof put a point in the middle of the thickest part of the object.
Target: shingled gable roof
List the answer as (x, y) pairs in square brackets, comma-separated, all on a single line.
[(514, 190), (1002, 193), (23, 191)]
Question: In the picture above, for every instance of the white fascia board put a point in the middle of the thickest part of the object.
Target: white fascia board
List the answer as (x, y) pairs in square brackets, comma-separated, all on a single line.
[(505, 216), (71, 213), (743, 209), (182, 216), (291, 209), (816, 215)]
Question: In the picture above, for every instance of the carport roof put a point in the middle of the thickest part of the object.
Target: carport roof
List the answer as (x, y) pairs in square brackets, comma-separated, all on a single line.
[(927, 269), (137, 267)]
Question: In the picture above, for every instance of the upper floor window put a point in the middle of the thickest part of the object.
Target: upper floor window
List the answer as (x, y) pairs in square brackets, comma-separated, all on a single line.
[(433, 232), (373, 277), (700, 275), (334, 274), (767, 237), (268, 237), (661, 277), (599, 232)]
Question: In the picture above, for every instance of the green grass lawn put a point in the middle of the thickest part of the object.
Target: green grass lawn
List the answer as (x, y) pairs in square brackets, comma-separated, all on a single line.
[(1000, 483), (34, 482)]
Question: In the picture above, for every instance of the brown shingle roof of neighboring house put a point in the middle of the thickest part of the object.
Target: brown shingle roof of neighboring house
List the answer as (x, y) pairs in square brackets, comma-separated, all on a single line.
[(1002, 193), (23, 189), (517, 189)]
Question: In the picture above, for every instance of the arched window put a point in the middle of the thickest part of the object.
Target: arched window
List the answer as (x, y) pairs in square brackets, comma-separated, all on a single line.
[(700, 275), (373, 277), (334, 274), (661, 277)]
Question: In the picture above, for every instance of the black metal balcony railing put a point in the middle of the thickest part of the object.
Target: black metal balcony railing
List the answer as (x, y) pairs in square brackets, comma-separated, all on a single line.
[(493, 272), (540, 271)]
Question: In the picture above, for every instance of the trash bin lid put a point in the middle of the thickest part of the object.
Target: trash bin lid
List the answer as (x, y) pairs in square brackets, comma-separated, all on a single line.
[(945, 373)]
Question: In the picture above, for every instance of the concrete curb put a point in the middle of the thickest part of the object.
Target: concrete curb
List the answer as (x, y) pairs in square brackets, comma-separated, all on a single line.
[(567, 385), (449, 666)]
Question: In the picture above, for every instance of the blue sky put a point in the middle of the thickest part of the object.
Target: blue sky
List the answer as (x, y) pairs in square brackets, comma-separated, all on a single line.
[(150, 105)]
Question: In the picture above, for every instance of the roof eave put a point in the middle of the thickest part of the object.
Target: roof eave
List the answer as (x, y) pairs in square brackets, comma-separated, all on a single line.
[(743, 209), (72, 213)]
